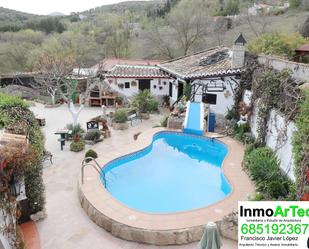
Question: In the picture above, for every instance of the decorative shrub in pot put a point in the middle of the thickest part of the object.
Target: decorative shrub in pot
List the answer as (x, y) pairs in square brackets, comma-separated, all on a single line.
[(77, 146), (93, 136), (120, 119), (91, 153), (145, 103)]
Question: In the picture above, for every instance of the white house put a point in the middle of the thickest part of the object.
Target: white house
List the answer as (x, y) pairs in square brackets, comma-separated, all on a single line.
[(126, 77), (213, 74)]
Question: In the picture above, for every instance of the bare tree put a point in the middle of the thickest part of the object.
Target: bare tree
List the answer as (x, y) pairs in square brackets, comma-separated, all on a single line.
[(159, 41), (189, 25), (52, 71), (258, 23), (55, 74)]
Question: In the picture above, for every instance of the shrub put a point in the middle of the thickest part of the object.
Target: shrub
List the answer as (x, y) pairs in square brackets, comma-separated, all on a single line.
[(91, 153), (262, 164), (93, 135), (8, 101), (144, 102), (14, 112), (164, 121), (280, 44), (77, 146), (153, 105), (120, 116), (277, 188), (76, 130)]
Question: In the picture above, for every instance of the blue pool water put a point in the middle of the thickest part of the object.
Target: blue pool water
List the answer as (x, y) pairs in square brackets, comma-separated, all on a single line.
[(194, 119), (177, 172)]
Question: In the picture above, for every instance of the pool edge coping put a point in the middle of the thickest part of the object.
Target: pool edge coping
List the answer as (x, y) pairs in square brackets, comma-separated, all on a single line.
[(161, 229)]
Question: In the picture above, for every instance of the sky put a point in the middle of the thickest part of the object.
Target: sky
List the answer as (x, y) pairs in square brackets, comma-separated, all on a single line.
[(44, 7)]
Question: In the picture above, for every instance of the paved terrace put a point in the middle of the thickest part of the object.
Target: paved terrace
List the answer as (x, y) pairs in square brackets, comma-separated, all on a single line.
[(67, 225)]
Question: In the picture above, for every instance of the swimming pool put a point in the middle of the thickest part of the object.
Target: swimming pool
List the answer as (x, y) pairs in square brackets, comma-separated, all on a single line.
[(177, 172)]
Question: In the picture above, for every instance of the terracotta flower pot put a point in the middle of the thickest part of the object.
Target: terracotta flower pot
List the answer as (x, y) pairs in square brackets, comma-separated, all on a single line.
[(120, 126), (305, 197)]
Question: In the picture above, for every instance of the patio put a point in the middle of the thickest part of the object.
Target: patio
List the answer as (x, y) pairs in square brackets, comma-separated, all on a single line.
[(67, 225)]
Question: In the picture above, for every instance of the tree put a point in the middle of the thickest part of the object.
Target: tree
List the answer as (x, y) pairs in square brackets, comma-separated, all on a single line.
[(188, 24), (159, 41), (294, 3), (280, 44), (258, 24), (56, 74)]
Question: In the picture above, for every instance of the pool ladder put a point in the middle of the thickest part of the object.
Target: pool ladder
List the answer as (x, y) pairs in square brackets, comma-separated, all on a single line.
[(88, 161)]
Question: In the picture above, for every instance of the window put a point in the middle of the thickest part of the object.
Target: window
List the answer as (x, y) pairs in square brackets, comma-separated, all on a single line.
[(127, 85), (210, 98)]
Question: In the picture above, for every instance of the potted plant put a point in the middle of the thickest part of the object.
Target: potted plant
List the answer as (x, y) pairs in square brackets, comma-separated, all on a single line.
[(120, 119), (144, 102), (93, 136), (119, 100), (92, 154), (305, 196)]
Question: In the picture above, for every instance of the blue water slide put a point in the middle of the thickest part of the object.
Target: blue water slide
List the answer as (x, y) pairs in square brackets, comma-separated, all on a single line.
[(194, 121)]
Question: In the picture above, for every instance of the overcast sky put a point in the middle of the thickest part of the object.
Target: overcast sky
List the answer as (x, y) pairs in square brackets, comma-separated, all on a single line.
[(45, 7)]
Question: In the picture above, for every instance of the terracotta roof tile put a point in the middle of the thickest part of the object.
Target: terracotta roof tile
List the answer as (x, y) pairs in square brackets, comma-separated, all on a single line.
[(131, 71), (218, 63)]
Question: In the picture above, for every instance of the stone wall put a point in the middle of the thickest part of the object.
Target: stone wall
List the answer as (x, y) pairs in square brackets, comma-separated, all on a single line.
[(300, 71), (228, 226), (154, 237)]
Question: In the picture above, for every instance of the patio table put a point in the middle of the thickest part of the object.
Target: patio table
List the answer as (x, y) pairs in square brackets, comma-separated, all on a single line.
[(63, 133)]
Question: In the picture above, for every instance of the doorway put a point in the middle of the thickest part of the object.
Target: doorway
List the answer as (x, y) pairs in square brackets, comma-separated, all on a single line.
[(144, 84), (180, 90)]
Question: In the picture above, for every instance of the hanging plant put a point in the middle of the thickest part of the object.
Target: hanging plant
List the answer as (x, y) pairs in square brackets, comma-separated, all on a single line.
[(121, 85), (133, 83)]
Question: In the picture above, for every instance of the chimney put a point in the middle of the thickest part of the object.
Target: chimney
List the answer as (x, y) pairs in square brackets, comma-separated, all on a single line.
[(238, 59)]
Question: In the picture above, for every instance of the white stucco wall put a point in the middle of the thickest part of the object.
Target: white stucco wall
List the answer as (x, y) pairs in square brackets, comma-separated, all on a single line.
[(223, 102), (4, 243), (160, 89), (275, 128), (299, 70)]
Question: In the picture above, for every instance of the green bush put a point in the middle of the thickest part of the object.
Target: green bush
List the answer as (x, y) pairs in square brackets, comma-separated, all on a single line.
[(262, 164), (294, 3), (277, 188), (93, 135), (77, 146), (164, 121), (264, 169), (120, 116), (145, 102), (8, 101), (153, 105), (14, 112), (91, 153), (75, 130), (280, 44), (300, 143)]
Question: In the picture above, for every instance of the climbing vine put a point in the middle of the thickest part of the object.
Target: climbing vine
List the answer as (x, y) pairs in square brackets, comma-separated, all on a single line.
[(301, 147), (278, 90)]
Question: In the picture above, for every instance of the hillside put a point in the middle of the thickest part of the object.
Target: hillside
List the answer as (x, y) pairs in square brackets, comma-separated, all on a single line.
[(13, 20), (157, 29), (119, 8)]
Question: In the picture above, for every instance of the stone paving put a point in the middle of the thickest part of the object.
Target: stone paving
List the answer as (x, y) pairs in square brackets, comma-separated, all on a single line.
[(67, 225)]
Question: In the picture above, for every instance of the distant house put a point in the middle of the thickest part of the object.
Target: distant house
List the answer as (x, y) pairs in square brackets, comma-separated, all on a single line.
[(260, 8)]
